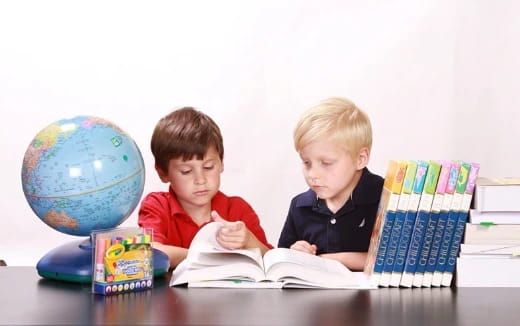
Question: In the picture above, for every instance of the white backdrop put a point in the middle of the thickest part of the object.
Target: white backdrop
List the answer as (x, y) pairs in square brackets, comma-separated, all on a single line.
[(439, 80)]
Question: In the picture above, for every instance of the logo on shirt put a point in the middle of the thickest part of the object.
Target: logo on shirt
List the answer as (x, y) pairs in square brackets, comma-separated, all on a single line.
[(362, 224)]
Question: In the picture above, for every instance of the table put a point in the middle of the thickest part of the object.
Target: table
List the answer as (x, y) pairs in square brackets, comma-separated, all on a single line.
[(25, 298)]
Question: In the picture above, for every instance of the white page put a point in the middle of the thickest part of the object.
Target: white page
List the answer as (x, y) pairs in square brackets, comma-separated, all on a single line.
[(292, 265)]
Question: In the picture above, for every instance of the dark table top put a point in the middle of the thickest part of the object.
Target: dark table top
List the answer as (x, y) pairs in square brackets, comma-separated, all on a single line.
[(25, 298)]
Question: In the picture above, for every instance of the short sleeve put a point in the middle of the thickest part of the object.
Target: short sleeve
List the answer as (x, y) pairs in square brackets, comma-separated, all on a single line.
[(153, 214)]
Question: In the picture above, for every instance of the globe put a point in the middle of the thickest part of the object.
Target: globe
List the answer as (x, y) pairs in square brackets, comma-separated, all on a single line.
[(82, 174)]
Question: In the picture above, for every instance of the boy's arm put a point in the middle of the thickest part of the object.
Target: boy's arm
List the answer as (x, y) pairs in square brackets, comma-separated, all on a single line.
[(352, 260), (154, 214), (253, 242), (288, 236), (175, 254)]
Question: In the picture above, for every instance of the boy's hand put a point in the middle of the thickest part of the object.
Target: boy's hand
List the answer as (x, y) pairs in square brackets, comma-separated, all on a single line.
[(232, 235), (304, 246)]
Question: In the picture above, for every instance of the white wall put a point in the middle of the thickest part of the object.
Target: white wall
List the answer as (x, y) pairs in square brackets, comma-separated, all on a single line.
[(438, 78)]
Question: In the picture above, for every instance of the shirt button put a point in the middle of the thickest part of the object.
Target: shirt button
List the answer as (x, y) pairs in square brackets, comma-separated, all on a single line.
[(333, 221)]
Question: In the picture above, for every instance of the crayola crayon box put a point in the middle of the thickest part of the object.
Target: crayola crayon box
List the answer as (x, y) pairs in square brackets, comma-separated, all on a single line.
[(122, 260)]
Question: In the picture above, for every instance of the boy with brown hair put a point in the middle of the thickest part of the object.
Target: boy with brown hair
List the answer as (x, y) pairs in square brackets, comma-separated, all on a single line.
[(188, 149), (335, 217)]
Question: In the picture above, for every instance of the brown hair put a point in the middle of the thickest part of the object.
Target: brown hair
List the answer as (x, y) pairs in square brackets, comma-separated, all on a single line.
[(184, 133)]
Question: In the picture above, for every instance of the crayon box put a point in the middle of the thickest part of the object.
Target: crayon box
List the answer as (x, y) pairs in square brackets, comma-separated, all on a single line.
[(122, 260)]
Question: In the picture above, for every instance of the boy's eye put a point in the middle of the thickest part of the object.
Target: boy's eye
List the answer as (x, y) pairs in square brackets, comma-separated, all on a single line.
[(326, 163), (209, 167), (184, 172)]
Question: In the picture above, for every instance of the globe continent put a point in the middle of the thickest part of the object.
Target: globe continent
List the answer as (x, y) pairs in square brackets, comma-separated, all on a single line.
[(83, 174)]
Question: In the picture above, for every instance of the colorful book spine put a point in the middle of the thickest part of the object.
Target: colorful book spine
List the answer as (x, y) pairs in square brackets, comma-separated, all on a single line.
[(451, 222), (392, 186), (462, 217), (441, 223), (397, 226), (432, 223), (419, 229), (421, 168)]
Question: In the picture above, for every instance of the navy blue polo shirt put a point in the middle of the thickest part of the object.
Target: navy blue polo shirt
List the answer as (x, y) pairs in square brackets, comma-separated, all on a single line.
[(349, 229)]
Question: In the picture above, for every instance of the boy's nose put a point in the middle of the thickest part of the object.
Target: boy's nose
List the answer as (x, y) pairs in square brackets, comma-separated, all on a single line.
[(200, 178), (312, 175)]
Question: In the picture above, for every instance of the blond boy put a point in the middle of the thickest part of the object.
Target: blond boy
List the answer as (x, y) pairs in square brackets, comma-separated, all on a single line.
[(335, 217)]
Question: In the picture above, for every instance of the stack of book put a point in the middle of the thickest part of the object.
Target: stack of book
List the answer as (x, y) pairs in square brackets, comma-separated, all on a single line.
[(490, 253), (420, 223)]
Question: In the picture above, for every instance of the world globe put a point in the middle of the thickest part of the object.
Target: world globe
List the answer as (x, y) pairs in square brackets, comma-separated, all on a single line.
[(82, 174)]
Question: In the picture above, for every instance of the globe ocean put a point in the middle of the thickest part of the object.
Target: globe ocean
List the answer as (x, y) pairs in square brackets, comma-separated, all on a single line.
[(82, 174)]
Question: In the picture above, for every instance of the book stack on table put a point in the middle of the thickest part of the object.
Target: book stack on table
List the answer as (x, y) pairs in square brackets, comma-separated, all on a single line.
[(490, 253)]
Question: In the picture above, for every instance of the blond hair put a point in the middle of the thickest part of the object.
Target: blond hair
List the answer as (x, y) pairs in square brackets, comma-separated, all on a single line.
[(339, 120)]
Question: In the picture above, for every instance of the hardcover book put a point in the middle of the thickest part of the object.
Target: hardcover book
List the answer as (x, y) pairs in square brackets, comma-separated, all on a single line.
[(462, 218), (208, 264), (489, 251), (497, 271), (441, 224), (395, 234), (504, 234), (451, 223), (432, 223), (425, 204), (478, 217), (409, 220), (394, 179), (497, 195)]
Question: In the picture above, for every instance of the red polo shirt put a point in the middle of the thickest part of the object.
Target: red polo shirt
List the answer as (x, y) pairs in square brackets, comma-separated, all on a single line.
[(171, 225)]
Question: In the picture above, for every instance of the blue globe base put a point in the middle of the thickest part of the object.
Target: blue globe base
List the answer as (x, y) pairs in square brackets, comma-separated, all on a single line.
[(72, 262)]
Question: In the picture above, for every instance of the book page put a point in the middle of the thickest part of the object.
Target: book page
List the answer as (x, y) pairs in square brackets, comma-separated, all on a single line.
[(297, 267), (207, 260), (239, 271), (489, 250), (206, 250), (241, 284), (360, 281)]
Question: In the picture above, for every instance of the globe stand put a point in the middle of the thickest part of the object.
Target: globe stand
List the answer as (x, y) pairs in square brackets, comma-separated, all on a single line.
[(72, 262)]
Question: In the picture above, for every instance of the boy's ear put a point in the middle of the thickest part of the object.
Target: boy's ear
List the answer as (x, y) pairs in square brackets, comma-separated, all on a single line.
[(162, 175), (362, 158)]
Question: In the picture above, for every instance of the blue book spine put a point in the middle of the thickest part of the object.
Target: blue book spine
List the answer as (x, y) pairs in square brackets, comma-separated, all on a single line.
[(436, 244), (446, 186), (456, 206), (414, 183), (383, 243), (454, 248), (414, 248), (462, 218), (449, 231), (404, 242), (426, 248), (391, 249)]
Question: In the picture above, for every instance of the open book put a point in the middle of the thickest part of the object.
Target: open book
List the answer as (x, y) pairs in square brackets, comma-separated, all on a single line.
[(208, 264)]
